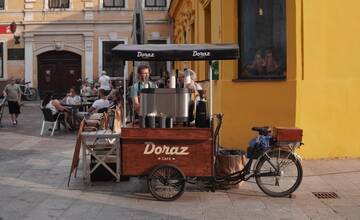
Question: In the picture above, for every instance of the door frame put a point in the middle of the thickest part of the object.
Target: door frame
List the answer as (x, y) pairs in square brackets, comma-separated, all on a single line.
[(100, 54), (79, 57)]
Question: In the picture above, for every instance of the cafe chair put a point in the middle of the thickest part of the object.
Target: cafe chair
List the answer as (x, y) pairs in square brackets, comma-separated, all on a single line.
[(49, 119)]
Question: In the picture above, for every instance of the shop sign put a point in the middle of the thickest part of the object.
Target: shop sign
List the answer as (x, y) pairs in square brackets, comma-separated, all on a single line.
[(5, 29), (145, 55), (201, 54), (151, 148)]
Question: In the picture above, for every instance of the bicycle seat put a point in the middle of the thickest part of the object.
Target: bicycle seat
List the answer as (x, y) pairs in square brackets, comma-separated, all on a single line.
[(262, 130), (27, 83)]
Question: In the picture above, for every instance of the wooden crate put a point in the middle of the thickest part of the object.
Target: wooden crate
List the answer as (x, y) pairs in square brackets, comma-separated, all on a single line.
[(287, 134)]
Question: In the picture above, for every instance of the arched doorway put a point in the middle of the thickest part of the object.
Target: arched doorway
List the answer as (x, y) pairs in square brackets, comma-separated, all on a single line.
[(58, 71)]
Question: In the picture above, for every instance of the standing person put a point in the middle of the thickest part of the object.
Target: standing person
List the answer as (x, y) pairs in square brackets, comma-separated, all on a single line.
[(143, 76), (104, 81), (12, 92), (116, 100), (113, 89)]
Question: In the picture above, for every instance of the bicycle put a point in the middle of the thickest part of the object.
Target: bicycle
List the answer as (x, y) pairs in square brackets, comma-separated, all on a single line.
[(277, 171), (29, 93)]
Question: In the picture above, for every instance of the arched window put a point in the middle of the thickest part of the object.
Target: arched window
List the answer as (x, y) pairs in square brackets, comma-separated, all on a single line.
[(262, 39)]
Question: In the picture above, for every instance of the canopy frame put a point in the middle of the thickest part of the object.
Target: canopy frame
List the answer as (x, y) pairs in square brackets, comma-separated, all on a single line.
[(177, 52)]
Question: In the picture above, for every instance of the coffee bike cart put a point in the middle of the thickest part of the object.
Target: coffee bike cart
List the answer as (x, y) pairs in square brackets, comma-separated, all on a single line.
[(170, 157)]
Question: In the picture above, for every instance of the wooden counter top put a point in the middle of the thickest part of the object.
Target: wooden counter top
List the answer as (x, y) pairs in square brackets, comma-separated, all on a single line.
[(167, 133)]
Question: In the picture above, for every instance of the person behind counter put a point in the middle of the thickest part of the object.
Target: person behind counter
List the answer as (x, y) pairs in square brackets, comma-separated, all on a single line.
[(192, 85), (143, 76)]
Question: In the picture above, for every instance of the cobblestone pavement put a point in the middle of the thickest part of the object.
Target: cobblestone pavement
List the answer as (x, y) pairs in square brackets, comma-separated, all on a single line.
[(34, 171)]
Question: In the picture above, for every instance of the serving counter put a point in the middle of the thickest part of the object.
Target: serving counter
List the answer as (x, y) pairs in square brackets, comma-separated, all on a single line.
[(190, 149)]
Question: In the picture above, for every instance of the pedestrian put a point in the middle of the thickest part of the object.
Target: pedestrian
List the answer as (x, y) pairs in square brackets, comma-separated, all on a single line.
[(12, 92), (104, 81)]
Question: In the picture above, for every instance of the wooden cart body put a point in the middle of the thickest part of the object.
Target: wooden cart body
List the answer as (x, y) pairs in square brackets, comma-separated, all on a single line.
[(190, 149)]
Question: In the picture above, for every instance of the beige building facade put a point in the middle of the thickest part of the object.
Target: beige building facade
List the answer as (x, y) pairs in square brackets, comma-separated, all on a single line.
[(64, 40)]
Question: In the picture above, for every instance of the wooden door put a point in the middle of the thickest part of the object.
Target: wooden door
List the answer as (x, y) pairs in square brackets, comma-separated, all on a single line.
[(58, 71)]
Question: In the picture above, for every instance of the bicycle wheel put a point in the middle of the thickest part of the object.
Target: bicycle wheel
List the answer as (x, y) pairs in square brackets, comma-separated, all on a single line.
[(31, 94), (166, 182), (278, 173)]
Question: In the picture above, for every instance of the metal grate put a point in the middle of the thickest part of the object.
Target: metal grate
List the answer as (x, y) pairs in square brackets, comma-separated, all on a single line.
[(326, 195)]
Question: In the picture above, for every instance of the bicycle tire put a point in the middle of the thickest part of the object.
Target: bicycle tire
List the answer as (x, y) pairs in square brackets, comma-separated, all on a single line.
[(32, 96), (168, 176), (278, 154)]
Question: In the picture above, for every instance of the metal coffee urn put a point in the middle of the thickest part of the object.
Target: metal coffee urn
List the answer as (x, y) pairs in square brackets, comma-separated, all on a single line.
[(174, 103)]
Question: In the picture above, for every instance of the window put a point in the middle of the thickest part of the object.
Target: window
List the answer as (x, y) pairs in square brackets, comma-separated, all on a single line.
[(155, 3), (59, 3), (262, 37), (1, 60), (113, 65), (157, 67), (114, 3), (2, 4), (16, 54)]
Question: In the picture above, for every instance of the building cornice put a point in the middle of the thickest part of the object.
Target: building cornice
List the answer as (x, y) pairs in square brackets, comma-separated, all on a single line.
[(77, 22)]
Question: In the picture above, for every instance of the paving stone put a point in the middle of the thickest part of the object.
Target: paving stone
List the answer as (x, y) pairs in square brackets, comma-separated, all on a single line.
[(34, 172)]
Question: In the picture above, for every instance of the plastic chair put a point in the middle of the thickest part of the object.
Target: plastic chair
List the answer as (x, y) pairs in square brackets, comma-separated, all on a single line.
[(49, 119)]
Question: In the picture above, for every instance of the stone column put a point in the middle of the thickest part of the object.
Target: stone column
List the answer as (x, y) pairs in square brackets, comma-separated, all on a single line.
[(29, 42), (89, 58)]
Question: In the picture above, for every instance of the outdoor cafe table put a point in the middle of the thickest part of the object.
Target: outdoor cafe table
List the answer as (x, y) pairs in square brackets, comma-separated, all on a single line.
[(75, 107)]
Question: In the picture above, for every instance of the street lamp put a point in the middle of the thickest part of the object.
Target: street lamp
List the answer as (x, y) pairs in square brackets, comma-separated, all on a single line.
[(13, 27)]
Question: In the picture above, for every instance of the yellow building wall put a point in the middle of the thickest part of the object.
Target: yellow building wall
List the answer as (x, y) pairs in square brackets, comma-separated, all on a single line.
[(321, 94), (245, 104), (328, 104)]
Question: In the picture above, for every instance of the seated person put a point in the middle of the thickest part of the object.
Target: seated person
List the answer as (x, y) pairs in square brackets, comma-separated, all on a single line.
[(116, 100), (86, 89), (100, 104), (72, 98), (55, 106)]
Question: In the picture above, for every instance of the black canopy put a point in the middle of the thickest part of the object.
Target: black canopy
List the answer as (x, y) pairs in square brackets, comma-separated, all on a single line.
[(170, 52)]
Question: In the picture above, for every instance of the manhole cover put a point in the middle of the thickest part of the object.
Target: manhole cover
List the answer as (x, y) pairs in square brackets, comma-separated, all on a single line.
[(326, 195)]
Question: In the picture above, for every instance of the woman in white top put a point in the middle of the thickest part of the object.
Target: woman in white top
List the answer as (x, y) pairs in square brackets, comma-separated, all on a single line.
[(54, 105)]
